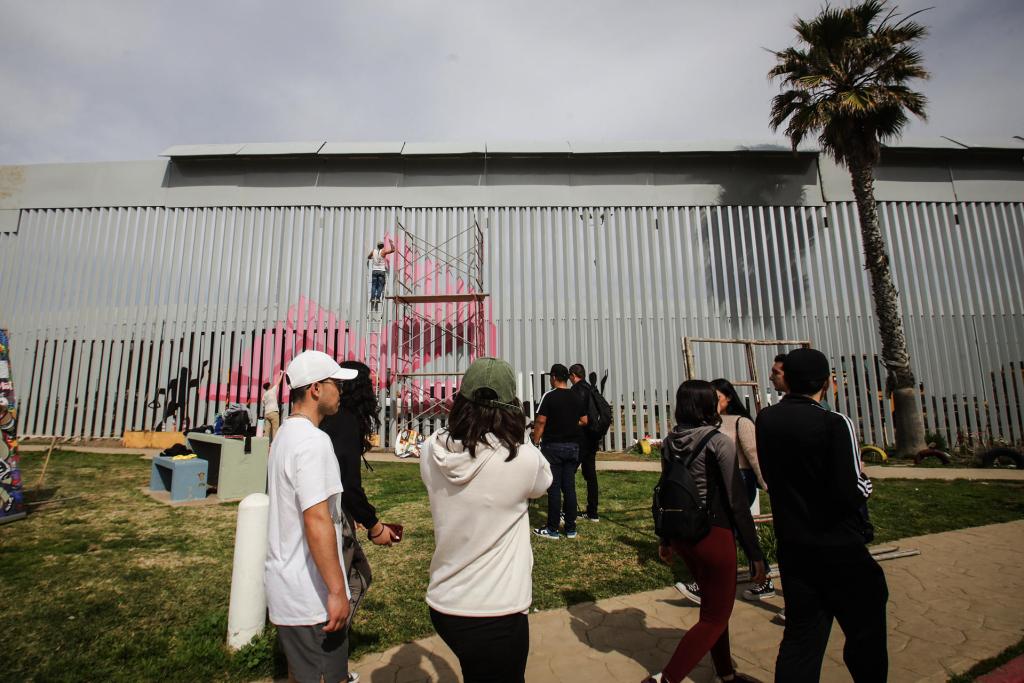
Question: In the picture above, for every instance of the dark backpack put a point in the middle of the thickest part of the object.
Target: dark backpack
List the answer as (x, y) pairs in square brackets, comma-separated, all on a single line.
[(678, 509), (236, 420), (599, 414)]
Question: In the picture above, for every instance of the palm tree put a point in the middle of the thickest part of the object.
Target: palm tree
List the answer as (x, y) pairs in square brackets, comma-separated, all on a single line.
[(846, 82)]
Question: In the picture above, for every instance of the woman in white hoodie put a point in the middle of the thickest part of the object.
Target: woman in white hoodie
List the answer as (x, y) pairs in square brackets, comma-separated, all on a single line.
[(480, 475)]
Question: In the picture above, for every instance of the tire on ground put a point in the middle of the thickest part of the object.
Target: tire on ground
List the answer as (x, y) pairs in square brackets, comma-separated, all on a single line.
[(997, 456), (876, 454), (931, 453)]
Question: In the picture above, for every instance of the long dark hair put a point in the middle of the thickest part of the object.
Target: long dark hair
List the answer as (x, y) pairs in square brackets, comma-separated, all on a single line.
[(697, 404), (359, 398), (470, 422), (735, 406)]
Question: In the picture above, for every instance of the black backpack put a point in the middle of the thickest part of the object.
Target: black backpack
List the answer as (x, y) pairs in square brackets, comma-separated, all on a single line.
[(599, 414), (236, 420), (678, 509)]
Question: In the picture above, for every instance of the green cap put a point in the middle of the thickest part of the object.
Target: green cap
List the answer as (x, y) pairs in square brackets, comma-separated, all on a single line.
[(496, 375)]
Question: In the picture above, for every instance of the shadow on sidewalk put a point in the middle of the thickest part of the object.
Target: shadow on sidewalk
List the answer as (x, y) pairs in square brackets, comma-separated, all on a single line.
[(408, 660), (626, 631)]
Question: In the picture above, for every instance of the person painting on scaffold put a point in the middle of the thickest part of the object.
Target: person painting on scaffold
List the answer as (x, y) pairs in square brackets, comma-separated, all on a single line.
[(377, 261)]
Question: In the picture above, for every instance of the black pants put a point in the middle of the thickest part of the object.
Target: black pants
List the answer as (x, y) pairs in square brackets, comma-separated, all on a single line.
[(844, 583), (490, 649), (564, 458), (588, 463)]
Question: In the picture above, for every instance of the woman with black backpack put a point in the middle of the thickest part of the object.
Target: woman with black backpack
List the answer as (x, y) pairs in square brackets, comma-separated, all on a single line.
[(699, 500)]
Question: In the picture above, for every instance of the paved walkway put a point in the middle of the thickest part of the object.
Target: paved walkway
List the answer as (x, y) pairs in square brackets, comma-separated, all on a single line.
[(958, 602), (875, 471)]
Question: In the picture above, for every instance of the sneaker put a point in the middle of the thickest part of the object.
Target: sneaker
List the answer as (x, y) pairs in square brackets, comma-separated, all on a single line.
[(592, 518), (570, 534), (690, 590), (760, 591), (780, 616), (353, 677), (545, 532), (653, 678)]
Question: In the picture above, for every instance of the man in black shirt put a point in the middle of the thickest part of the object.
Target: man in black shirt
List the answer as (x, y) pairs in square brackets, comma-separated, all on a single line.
[(556, 428), (811, 463), (588, 442)]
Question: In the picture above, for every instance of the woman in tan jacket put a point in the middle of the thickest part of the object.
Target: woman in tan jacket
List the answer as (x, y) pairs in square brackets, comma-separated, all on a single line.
[(738, 426)]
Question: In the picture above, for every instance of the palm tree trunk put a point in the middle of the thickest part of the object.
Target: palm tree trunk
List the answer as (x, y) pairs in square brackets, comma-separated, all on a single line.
[(908, 419)]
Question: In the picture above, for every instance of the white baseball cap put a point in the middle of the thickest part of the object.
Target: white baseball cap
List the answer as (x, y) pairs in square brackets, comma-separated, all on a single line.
[(310, 367)]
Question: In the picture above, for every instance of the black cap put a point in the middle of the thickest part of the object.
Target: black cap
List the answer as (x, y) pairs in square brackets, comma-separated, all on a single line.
[(806, 370)]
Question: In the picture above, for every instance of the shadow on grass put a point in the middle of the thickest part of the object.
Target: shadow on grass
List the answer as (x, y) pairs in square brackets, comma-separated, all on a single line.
[(38, 496), (646, 548)]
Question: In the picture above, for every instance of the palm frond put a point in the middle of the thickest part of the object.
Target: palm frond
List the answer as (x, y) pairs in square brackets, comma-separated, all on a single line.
[(847, 79)]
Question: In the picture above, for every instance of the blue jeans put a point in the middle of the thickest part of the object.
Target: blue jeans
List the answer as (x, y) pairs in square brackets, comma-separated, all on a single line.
[(378, 278), (563, 457)]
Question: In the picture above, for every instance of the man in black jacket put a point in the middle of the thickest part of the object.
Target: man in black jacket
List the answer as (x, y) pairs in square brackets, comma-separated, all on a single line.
[(588, 442), (811, 463)]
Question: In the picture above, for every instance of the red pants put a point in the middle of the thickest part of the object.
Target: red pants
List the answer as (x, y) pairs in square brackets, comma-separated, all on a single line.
[(712, 562)]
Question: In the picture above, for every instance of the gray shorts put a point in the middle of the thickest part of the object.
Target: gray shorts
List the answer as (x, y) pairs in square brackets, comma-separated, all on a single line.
[(313, 654)]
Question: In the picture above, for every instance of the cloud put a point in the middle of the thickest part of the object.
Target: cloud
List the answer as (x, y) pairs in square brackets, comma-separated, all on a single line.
[(116, 79)]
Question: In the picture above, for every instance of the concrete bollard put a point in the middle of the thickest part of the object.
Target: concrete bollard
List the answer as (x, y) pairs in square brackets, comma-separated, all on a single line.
[(247, 611)]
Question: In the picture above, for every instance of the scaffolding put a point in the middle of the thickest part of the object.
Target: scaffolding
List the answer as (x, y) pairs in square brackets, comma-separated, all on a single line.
[(440, 313)]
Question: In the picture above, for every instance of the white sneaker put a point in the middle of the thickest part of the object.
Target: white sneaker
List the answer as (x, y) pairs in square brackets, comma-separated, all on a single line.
[(353, 677), (690, 590), (760, 591)]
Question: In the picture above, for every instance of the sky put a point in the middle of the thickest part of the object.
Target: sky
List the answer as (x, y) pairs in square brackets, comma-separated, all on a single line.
[(96, 80)]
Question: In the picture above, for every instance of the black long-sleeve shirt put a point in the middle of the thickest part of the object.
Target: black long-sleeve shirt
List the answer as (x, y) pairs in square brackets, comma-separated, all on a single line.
[(347, 439), (811, 462)]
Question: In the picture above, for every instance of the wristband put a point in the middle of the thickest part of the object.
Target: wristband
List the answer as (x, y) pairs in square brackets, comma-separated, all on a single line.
[(380, 533)]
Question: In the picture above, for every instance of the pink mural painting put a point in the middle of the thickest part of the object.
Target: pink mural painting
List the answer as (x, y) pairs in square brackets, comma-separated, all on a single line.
[(424, 333)]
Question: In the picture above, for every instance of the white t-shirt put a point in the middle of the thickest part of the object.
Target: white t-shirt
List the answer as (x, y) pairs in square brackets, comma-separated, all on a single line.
[(377, 262), (270, 404), (483, 561), (302, 471)]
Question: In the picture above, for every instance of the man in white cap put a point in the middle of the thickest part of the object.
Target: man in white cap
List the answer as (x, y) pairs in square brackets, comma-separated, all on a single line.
[(307, 593)]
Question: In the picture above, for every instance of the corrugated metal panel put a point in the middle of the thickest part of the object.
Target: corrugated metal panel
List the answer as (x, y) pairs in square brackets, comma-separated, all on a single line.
[(988, 143), (215, 150), (361, 148), (443, 148), (527, 147), (280, 148), (118, 313)]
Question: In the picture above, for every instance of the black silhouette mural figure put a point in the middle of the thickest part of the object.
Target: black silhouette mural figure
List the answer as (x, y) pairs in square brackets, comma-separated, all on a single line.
[(177, 393)]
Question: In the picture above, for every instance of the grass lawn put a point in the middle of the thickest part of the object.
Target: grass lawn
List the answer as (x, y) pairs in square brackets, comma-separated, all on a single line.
[(115, 586)]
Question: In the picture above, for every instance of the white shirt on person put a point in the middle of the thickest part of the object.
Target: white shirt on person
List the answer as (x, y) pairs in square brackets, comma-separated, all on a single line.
[(270, 404), (377, 262), (483, 561), (301, 472)]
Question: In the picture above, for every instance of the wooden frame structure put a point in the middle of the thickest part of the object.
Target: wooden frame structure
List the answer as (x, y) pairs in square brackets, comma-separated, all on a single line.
[(754, 379)]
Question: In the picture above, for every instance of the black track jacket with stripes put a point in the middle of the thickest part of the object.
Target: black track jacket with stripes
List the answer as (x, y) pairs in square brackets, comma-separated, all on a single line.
[(811, 462)]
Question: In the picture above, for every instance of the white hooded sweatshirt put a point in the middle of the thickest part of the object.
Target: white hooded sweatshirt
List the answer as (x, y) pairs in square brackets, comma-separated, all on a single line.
[(483, 562)]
